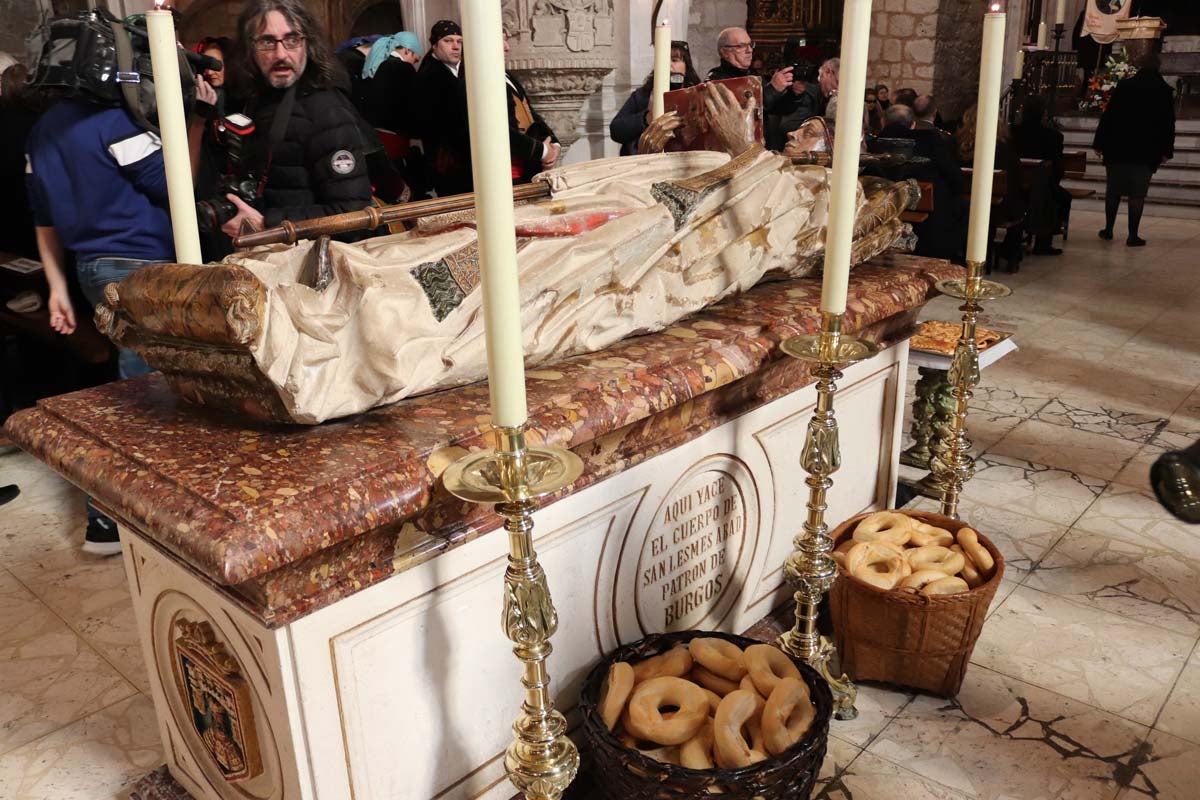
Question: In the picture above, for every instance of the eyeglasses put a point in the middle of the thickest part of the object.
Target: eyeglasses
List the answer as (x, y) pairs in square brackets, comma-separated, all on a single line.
[(266, 44), (745, 46)]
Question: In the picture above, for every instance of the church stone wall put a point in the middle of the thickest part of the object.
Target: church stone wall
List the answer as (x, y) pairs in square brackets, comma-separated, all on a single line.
[(903, 46)]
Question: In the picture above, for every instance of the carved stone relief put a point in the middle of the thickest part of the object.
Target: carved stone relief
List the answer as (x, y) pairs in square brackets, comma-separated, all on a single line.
[(560, 51)]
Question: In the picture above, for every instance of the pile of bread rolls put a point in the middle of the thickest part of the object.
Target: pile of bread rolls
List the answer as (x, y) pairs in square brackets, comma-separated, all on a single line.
[(891, 550), (708, 704)]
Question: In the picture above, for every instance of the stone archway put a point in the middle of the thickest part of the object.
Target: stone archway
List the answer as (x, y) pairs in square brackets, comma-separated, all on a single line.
[(200, 18), (376, 16)]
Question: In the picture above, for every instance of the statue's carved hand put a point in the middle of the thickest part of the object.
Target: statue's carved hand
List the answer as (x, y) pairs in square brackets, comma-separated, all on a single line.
[(732, 124), (654, 139)]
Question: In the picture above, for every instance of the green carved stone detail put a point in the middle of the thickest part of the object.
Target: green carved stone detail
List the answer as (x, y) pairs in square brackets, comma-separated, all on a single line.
[(440, 287)]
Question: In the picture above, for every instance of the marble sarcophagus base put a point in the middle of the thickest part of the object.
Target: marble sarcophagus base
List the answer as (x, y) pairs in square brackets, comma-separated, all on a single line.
[(321, 620)]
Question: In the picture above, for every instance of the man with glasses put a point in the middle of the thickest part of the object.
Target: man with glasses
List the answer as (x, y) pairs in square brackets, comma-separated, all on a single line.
[(305, 124), (737, 53)]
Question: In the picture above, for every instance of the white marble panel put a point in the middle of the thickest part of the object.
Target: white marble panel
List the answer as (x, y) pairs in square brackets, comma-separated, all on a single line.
[(1133, 579), (1066, 448), (93, 758), (1001, 739), (1181, 715), (1102, 659)]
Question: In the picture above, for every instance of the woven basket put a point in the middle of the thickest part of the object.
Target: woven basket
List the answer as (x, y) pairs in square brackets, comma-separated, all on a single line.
[(627, 774), (923, 642)]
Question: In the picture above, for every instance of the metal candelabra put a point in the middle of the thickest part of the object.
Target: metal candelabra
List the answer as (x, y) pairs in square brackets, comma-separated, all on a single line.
[(541, 761), (810, 570), (952, 464), (1059, 31)]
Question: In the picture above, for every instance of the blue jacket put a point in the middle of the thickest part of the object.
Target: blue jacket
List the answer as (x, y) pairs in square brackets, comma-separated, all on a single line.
[(98, 179)]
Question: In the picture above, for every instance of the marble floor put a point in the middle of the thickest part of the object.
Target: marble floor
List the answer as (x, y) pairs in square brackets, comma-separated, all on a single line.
[(1085, 683)]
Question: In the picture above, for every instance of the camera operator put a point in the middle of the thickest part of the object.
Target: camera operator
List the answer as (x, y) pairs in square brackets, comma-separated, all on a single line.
[(315, 150), (801, 101)]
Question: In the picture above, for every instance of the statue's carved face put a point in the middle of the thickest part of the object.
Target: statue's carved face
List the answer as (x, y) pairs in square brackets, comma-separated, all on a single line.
[(811, 137)]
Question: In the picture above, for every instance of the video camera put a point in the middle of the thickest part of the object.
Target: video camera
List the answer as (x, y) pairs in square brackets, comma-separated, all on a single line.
[(240, 176)]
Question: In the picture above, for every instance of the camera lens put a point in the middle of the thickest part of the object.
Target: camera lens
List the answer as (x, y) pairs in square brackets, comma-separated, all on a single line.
[(212, 214)]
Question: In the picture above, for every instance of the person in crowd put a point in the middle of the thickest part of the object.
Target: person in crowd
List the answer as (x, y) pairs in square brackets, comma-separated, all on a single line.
[(827, 78), (906, 97), (1014, 205), (111, 233), (352, 54), (218, 48), (926, 112), (736, 51), (314, 137), (629, 123), (801, 101), (386, 73), (1049, 202), (943, 234), (20, 107), (875, 118), (442, 110), (533, 145), (213, 158), (882, 95), (383, 80), (757, 66), (1136, 136)]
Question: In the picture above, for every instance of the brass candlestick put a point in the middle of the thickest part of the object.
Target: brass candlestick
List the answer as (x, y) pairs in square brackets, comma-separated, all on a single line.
[(952, 464), (541, 761), (810, 570)]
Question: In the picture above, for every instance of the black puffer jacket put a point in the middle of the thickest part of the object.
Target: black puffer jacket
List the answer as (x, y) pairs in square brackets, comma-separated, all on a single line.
[(320, 167)]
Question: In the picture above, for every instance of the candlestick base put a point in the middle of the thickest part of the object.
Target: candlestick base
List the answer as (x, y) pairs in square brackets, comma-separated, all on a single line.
[(980, 290), (810, 570), (847, 349), (542, 760), (952, 465)]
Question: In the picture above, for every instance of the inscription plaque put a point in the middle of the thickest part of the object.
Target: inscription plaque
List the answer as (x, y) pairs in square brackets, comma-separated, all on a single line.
[(688, 570)]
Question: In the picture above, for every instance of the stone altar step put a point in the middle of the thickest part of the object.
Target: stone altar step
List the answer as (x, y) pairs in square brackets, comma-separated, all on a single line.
[(1175, 190)]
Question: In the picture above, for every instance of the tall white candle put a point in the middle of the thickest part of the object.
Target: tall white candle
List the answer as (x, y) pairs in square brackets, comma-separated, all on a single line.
[(662, 67), (164, 59), (1041, 40), (843, 195), (990, 69), (1019, 66), (491, 166), (1060, 12)]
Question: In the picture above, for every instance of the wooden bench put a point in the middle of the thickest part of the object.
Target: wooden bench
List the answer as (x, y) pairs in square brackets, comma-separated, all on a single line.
[(999, 191), (1074, 166)]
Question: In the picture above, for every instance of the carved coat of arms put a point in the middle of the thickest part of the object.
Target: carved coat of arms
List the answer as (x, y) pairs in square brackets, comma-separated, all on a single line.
[(217, 698)]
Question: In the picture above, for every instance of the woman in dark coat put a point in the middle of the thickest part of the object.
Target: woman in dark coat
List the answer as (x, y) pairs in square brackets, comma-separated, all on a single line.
[(627, 126), (1135, 137)]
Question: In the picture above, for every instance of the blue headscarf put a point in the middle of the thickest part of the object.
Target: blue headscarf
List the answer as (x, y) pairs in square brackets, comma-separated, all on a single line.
[(383, 47)]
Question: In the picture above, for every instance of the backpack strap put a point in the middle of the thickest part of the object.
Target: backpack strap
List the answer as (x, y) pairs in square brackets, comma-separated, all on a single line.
[(129, 88)]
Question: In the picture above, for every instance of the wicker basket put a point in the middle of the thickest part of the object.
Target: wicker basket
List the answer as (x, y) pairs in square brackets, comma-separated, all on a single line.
[(912, 640), (627, 774)]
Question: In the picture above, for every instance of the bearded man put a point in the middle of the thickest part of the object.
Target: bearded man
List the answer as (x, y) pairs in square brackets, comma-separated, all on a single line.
[(305, 125)]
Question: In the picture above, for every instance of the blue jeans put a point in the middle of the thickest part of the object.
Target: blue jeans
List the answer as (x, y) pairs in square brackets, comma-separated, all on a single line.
[(93, 277)]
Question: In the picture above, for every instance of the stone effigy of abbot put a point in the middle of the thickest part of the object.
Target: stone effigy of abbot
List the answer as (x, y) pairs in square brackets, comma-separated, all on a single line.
[(619, 247)]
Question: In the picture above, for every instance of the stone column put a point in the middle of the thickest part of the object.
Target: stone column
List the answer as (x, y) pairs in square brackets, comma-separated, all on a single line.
[(561, 51)]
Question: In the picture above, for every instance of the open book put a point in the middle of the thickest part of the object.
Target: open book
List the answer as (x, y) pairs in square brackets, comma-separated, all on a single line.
[(689, 104)]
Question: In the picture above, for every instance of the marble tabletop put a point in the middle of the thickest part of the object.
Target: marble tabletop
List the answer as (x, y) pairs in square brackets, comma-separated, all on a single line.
[(293, 518)]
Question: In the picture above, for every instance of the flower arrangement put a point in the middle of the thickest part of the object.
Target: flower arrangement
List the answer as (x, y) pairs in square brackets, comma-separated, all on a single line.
[(1101, 85)]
